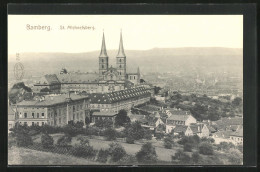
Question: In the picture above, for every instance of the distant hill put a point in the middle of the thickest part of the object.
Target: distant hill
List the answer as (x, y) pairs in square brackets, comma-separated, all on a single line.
[(157, 59)]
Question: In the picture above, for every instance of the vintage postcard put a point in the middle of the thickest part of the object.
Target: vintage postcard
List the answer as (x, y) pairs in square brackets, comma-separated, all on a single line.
[(125, 90)]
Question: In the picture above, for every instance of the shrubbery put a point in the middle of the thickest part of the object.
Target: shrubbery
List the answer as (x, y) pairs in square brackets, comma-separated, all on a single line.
[(102, 155), (47, 141), (110, 134), (187, 147), (205, 149), (147, 154), (168, 142), (181, 157), (64, 141), (116, 151)]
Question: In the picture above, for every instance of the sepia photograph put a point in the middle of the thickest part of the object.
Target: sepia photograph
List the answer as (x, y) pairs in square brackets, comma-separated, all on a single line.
[(125, 90)]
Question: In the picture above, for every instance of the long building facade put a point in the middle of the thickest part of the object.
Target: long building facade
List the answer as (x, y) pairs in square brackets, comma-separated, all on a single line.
[(54, 110)]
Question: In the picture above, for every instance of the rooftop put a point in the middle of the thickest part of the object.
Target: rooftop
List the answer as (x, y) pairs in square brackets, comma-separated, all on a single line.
[(108, 114), (49, 100)]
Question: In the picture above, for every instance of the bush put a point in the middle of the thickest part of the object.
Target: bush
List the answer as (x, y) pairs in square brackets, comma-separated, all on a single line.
[(235, 157), (83, 151), (130, 140), (128, 159), (116, 151), (168, 142), (182, 157), (102, 155), (64, 141), (135, 131), (205, 148), (122, 118), (24, 140), (104, 123), (110, 134), (195, 157), (225, 146), (47, 141), (91, 131), (187, 147), (147, 154), (148, 135), (159, 136)]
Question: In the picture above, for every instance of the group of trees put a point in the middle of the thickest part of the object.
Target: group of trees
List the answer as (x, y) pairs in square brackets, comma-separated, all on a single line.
[(204, 107)]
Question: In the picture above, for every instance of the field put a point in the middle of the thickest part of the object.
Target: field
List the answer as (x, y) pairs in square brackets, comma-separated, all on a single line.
[(132, 149), (23, 156)]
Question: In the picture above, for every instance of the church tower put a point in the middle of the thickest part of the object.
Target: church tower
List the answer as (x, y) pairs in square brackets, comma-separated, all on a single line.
[(121, 60), (103, 59)]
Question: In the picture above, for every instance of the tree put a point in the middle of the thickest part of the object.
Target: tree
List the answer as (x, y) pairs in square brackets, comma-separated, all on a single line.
[(24, 139), (45, 90), (205, 148), (47, 141), (187, 147), (116, 151), (182, 157), (122, 118), (87, 120), (148, 134), (64, 141), (235, 156), (157, 89), (130, 140), (104, 123), (102, 156), (135, 131), (147, 154), (110, 134), (168, 142), (195, 157), (237, 102)]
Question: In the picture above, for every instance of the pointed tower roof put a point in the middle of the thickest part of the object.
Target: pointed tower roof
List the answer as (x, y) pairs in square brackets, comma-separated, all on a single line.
[(103, 52), (138, 70), (121, 52)]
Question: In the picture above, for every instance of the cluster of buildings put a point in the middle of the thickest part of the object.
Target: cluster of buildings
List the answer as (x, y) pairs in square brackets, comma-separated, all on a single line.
[(95, 95), (179, 122)]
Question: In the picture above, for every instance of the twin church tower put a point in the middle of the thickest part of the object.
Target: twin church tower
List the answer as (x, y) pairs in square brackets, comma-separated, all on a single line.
[(120, 61)]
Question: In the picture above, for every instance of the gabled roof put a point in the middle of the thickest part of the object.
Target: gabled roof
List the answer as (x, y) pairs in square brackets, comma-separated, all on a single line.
[(180, 128), (178, 117), (52, 78), (121, 52), (103, 52)]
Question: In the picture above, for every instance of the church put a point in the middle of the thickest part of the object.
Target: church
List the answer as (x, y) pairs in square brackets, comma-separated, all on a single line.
[(108, 79)]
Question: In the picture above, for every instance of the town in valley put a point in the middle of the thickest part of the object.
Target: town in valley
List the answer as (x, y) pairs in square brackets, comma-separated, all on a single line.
[(130, 112)]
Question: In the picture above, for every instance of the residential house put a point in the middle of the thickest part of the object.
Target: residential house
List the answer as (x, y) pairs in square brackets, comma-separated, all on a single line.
[(103, 116), (183, 118), (194, 129), (237, 136)]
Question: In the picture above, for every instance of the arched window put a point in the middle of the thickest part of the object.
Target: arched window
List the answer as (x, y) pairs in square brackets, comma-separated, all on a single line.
[(119, 66), (102, 60), (119, 60), (102, 66)]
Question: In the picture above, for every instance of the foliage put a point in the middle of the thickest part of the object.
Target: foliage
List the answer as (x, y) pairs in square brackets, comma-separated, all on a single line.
[(47, 141), (83, 151), (49, 129), (235, 156), (168, 142), (237, 102), (206, 149), (130, 140), (187, 147), (194, 140), (159, 136), (195, 157), (83, 141), (116, 151), (147, 154), (148, 134), (64, 141), (224, 146), (91, 130), (182, 157), (110, 134), (122, 118), (45, 90), (135, 131), (87, 120), (128, 159), (102, 155), (157, 89), (16, 93), (104, 123), (21, 135)]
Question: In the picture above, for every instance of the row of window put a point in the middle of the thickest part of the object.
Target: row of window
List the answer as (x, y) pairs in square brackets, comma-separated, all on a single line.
[(33, 123), (33, 115)]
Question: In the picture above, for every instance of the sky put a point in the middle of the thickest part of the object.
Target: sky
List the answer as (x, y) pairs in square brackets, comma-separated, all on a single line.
[(140, 32)]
